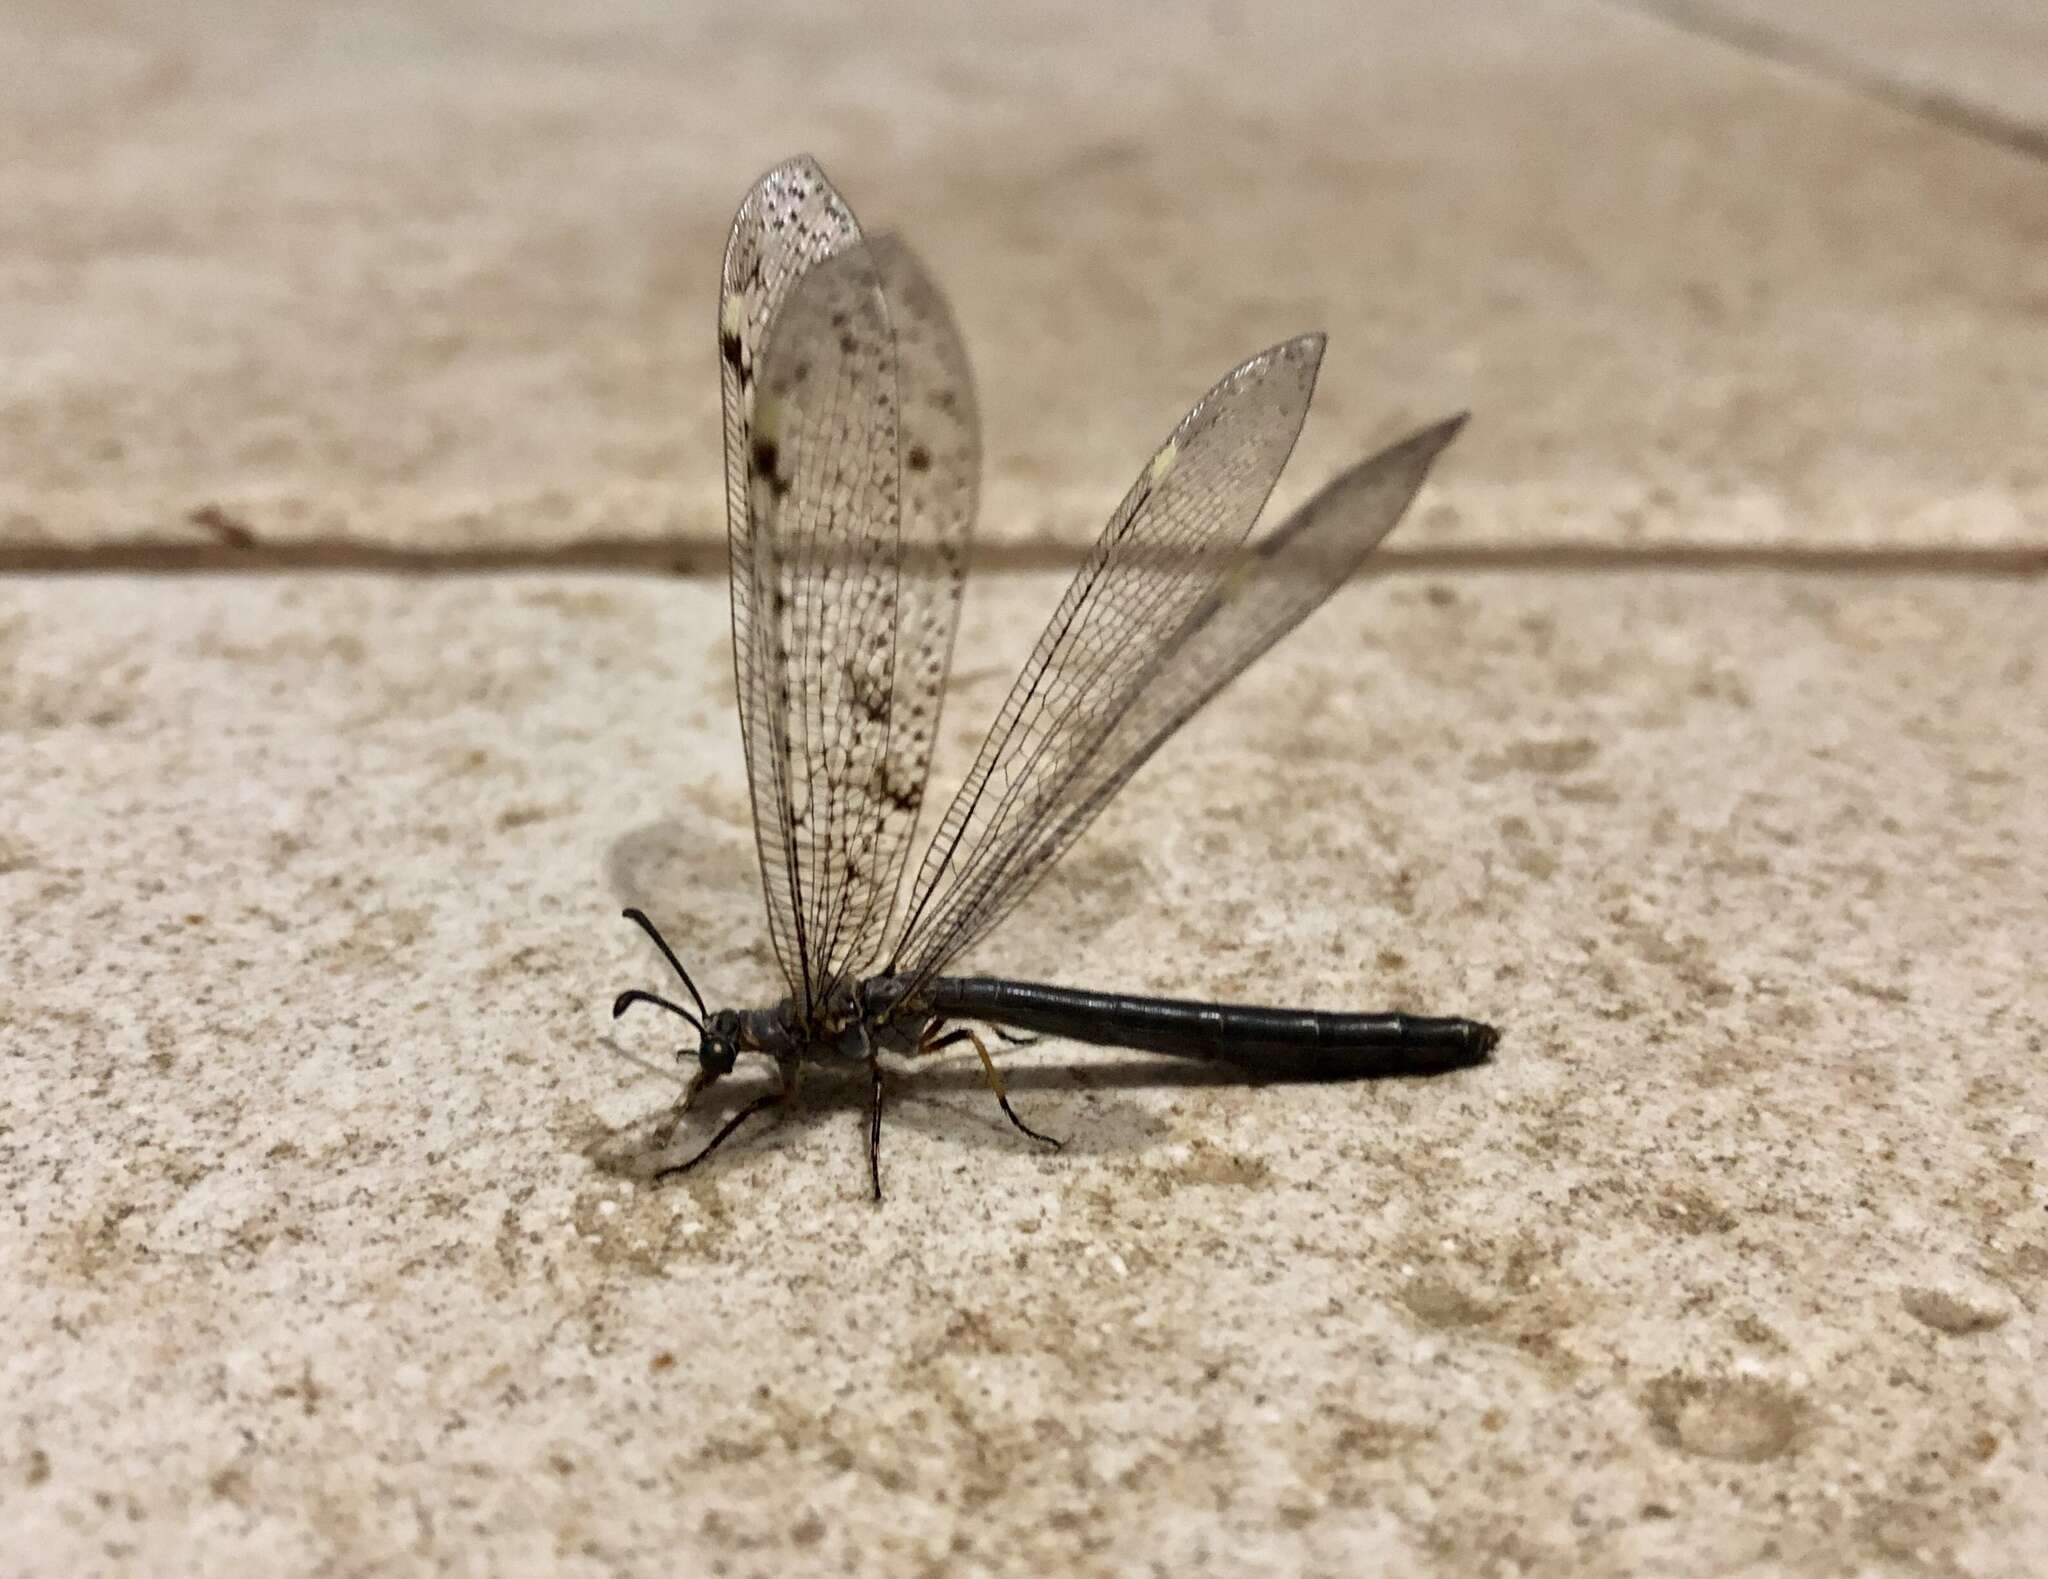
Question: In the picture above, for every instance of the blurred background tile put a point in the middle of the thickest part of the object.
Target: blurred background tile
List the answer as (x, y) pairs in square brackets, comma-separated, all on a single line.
[(442, 277)]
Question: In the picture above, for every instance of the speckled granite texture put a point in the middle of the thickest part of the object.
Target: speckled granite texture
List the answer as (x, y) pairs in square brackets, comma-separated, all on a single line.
[(326, 1248)]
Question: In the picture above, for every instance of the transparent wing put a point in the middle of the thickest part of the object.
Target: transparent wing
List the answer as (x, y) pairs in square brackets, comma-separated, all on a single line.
[(939, 445), (790, 220), (860, 458), (1167, 555), (1271, 588)]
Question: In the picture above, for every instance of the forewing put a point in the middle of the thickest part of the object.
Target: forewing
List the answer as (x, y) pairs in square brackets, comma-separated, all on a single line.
[(861, 490), (790, 220), (1167, 550), (1272, 588), (939, 442)]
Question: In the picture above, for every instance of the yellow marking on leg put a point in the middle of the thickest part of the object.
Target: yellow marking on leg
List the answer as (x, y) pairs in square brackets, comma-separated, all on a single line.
[(928, 1043), (988, 1067)]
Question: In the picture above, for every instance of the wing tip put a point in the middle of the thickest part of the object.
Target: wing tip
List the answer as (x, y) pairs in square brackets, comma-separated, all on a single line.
[(805, 162), (1309, 346), (801, 169), (1425, 444), (1448, 428)]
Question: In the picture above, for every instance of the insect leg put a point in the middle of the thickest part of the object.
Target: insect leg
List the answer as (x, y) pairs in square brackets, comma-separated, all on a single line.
[(767, 1099), (867, 1047), (954, 1038), (665, 1137), (875, 1130), (929, 1044)]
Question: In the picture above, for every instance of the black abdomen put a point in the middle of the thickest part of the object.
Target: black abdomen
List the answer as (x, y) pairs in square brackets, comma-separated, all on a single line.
[(1299, 1042)]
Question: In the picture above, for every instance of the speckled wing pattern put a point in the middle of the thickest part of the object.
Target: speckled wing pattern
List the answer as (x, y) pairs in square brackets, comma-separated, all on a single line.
[(850, 437), (939, 439), (1096, 695)]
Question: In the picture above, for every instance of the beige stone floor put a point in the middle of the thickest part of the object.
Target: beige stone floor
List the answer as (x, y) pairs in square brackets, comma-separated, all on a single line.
[(1695, 736)]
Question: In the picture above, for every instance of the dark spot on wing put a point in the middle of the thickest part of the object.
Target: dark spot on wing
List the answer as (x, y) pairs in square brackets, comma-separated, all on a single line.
[(729, 347), (919, 459), (766, 456)]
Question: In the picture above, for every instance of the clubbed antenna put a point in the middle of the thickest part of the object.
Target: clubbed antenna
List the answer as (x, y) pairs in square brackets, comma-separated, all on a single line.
[(639, 919), (627, 999)]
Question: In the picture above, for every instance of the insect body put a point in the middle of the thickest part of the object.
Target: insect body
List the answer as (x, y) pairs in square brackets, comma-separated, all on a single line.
[(852, 472)]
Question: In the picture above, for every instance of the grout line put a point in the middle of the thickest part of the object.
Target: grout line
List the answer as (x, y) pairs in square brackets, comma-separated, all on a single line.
[(1703, 19), (698, 559), (249, 555)]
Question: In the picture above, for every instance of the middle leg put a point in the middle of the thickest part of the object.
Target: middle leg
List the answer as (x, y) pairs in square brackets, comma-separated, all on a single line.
[(867, 1046)]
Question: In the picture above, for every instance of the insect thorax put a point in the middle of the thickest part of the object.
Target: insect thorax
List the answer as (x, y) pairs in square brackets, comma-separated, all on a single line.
[(894, 1015)]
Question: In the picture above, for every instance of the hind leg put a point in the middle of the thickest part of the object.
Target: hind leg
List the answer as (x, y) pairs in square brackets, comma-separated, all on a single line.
[(932, 1043)]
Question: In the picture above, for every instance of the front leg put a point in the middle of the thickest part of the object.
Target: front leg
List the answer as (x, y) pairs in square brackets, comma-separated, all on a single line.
[(785, 1090), (665, 1136)]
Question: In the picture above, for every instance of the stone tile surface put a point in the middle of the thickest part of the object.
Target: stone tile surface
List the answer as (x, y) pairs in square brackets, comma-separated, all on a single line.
[(1982, 60), (325, 1249), (439, 276), (328, 1247)]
